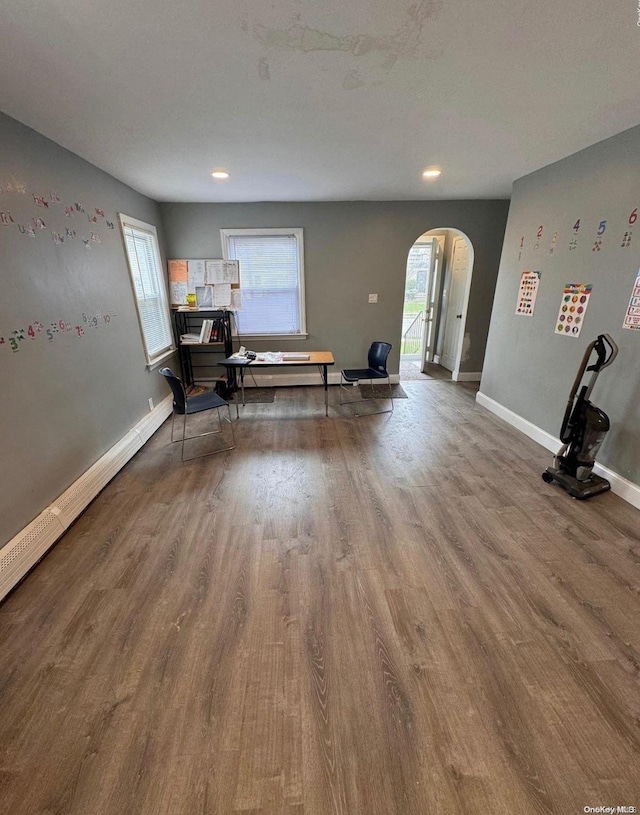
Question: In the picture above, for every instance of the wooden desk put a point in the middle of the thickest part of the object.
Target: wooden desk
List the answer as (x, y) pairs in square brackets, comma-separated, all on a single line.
[(320, 358)]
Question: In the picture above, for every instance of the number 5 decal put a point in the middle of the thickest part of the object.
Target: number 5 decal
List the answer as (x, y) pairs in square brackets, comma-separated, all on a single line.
[(602, 227)]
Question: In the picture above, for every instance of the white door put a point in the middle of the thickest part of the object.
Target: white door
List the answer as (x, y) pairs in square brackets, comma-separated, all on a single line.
[(455, 302), (429, 336), (417, 298)]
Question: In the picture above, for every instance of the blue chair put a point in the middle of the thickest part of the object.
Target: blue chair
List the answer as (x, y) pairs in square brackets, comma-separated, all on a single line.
[(377, 370), (184, 406)]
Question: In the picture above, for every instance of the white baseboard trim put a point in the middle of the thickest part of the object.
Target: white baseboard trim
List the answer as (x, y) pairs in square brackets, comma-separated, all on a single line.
[(24, 550), (529, 429), (466, 376), (620, 485)]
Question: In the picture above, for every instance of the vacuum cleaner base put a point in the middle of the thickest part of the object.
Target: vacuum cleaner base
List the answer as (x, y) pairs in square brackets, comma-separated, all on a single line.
[(576, 489)]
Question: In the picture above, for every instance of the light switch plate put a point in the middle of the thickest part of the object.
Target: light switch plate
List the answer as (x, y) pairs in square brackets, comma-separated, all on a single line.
[(373, 298)]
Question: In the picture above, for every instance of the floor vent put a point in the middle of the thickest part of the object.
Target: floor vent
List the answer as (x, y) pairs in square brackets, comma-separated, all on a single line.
[(29, 545)]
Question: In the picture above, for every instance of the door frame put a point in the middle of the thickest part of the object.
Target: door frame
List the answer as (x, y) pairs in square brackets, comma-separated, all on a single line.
[(439, 315), (426, 319)]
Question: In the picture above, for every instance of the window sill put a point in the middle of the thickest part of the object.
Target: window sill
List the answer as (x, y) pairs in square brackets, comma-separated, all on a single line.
[(151, 366), (278, 337)]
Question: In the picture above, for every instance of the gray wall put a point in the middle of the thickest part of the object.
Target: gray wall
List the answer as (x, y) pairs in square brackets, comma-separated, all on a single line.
[(528, 368), (352, 249), (64, 402)]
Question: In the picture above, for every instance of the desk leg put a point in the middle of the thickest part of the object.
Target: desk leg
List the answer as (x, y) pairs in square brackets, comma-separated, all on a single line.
[(325, 377), (241, 372)]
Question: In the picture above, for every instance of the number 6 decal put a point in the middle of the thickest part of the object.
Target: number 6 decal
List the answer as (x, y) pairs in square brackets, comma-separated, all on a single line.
[(633, 217)]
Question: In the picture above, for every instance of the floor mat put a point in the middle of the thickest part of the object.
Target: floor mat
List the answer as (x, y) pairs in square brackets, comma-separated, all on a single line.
[(254, 396), (382, 392)]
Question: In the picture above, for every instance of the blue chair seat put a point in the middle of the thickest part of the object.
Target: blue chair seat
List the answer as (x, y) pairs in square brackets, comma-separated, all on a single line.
[(377, 361), (184, 406), (356, 374), (202, 401)]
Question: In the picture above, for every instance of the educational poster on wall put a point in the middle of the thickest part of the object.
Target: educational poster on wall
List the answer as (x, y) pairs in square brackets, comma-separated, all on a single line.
[(632, 317), (223, 272), (529, 282), (204, 297), (573, 307), (205, 284), (196, 275), (178, 277)]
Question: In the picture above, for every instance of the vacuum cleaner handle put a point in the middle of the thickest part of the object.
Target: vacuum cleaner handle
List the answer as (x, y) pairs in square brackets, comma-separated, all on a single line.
[(606, 350), (605, 355)]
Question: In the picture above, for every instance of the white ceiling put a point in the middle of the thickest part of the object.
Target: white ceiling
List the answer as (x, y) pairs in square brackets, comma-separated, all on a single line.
[(333, 100)]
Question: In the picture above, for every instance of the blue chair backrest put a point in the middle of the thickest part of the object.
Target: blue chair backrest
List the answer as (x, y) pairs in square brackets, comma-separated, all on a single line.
[(378, 354), (179, 396)]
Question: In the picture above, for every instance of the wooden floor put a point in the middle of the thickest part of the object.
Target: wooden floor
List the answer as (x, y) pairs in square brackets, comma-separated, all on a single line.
[(390, 615)]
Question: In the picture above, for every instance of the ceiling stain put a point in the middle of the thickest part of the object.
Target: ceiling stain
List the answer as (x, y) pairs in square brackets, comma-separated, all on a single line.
[(403, 42), (263, 69), (352, 81)]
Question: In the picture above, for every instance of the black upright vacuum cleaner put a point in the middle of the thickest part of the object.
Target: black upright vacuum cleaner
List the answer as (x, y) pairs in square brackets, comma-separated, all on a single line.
[(583, 428)]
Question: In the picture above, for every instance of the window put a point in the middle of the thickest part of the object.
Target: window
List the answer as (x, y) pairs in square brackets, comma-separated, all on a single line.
[(271, 279), (147, 280)]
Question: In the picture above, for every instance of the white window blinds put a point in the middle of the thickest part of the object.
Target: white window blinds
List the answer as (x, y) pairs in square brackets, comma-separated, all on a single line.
[(271, 280), (148, 286)]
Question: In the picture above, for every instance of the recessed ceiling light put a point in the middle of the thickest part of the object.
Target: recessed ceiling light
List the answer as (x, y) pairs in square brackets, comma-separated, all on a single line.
[(220, 174), (432, 172)]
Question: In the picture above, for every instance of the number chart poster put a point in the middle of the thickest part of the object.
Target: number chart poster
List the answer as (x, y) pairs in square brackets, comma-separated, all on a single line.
[(529, 282), (632, 317), (573, 307)]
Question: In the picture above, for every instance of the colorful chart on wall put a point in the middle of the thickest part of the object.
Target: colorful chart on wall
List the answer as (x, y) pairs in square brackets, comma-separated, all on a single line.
[(573, 307), (632, 317), (529, 282)]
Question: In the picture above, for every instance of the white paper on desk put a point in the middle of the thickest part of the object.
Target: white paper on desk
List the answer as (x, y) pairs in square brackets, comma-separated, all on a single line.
[(269, 356), (195, 274), (222, 295)]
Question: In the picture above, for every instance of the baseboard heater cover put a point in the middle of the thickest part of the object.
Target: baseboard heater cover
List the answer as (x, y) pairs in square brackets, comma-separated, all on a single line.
[(23, 551)]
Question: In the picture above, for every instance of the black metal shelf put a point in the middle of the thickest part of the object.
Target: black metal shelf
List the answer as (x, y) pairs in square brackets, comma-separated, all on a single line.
[(190, 322)]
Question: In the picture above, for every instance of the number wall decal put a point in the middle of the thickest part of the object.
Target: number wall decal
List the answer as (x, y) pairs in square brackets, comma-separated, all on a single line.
[(58, 327)]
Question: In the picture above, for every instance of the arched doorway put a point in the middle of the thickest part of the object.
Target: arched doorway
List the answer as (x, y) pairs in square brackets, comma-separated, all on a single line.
[(438, 281)]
